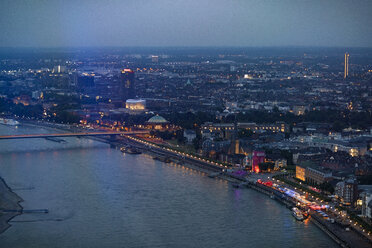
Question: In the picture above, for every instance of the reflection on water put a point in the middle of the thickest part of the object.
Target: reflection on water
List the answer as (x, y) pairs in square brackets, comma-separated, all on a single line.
[(99, 197)]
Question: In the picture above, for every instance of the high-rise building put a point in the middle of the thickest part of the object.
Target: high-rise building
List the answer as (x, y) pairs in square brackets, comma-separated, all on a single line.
[(59, 69), (155, 58), (127, 90), (347, 191), (346, 69)]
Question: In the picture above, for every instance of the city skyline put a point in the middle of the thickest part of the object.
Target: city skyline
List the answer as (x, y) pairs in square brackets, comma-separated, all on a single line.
[(284, 122), (199, 123)]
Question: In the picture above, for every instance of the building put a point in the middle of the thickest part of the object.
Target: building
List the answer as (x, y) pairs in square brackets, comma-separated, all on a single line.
[(37, 95), (126, 88), (301, 173), (367, 204), (85, 81), (154, 58), (59, 69), (210, 147), (280, 163), (313, 174), (189, 135), (217, 130), (257, 158), (157, 122), (226, 130), (135, 104), (299, 109), (274, 127), (234, 159), (278, 160), (347, 191), (318, 175), (353, 147), (346, 69)]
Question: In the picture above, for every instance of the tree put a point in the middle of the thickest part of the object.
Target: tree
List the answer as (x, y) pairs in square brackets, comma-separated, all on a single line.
[(196, 143), (245, 133), (337, 126), (66, 117), (327, 187), (179, 136), (266, 166)]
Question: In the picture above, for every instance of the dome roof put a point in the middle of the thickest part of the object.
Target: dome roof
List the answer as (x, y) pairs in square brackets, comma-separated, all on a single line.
[(135, 101), (157, 119)]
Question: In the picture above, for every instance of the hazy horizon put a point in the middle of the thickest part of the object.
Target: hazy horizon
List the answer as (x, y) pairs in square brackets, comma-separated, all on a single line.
[(202, 23), (186, 47)]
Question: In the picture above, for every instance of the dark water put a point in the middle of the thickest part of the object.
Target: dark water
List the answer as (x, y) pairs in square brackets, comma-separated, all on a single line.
[(98, 197)]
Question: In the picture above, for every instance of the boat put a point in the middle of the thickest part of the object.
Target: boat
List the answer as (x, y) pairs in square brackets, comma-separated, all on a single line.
[(213, 175), (163, 159), (297, 214), (9, 122), (130, 150)]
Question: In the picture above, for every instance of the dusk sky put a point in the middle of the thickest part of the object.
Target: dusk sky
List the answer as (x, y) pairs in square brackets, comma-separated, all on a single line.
[(72, 23)]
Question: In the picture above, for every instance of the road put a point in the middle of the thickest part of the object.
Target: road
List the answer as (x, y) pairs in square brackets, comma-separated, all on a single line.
[(80, 134)]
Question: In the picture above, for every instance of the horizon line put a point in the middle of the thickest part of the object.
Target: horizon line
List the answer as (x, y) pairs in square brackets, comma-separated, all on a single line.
[(177, 46)]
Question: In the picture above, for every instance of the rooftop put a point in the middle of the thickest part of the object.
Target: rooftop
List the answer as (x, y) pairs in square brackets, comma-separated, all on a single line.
[(157, 119)]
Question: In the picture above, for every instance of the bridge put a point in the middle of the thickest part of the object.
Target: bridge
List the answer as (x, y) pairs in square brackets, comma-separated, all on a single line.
[(81, 134)]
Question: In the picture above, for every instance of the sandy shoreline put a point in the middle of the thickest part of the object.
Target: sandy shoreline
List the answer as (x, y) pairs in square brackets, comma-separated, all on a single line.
[(8, 200)]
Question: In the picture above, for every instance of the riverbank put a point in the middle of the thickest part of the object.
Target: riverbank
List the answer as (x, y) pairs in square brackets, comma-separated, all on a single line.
[(338, 233), (163, 155), (191, 163), (8, 201)]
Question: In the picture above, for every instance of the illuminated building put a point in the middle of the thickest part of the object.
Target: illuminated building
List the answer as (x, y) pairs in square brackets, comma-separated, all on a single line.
[(300, 173), (276, 127), (23, 99), (313, 174), (127, 84), (318, 175), (346, 69), (347, 191), (59, 69), (299, 109), (280, 163), (157, 122), (226, 130), (257, 158), (367, 204), (135, 104), (154, 58), (37, 95)]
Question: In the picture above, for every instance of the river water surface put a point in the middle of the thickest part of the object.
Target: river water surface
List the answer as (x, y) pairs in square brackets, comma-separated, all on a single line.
[(98, 197)]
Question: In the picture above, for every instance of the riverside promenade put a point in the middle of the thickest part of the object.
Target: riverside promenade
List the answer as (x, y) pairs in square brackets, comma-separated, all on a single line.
[(344, 238)]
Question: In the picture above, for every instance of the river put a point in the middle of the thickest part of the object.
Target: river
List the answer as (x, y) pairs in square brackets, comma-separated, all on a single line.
[(98, 197)]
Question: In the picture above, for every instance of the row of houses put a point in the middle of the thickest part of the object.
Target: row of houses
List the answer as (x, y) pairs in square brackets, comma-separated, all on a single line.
[(226, 130)]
